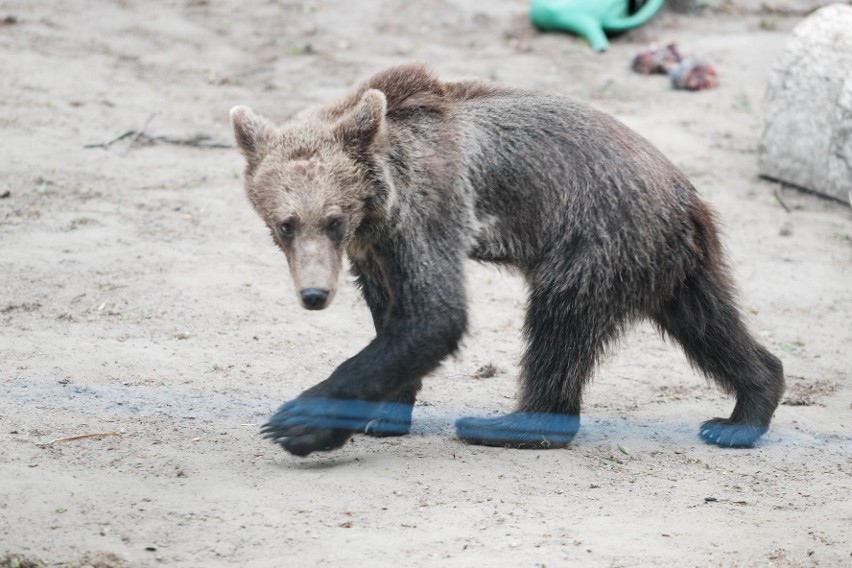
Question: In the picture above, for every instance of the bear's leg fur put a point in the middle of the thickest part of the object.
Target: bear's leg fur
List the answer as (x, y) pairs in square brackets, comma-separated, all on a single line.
[(703, 318), (566, 336), (396, 414)]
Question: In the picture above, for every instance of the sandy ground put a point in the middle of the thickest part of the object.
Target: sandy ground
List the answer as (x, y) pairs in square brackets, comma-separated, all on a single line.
[(139, 295)]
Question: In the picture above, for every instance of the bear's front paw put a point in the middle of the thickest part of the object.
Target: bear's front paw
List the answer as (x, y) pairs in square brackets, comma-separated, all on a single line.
[(525, 430), (302, 441), (306, 425), (727, 434)]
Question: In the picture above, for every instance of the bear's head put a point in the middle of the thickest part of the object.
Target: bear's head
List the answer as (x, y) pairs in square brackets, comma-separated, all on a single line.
[(314, 181)]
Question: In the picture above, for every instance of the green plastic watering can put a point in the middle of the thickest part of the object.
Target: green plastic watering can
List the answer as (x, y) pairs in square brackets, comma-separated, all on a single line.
[(590, 18)]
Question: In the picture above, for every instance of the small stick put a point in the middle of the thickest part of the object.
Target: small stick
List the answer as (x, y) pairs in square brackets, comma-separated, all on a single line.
[(109, 143), (140, 133), (197, 141), (780, 197), (81, 436)]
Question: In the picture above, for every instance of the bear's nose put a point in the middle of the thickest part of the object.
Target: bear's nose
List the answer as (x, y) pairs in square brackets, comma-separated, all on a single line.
[(314, 298)]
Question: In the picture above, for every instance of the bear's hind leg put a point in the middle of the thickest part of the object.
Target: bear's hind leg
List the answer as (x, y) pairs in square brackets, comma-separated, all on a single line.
[(703, 317), (566, 334)]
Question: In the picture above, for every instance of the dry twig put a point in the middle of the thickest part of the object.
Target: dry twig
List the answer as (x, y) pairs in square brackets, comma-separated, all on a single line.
[(142, 137), (81, 436)]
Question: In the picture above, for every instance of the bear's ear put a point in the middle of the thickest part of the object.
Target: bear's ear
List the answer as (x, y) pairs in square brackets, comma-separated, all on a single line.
[(254, 134), (365, 124)]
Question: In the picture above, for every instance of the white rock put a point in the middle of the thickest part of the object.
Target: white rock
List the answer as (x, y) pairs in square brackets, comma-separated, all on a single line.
[(807, 135)]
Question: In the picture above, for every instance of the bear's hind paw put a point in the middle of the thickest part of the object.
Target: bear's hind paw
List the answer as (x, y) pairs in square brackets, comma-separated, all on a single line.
[(727, 434)]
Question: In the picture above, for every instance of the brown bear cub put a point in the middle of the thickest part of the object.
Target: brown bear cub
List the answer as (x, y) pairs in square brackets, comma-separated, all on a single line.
[(410, 176)]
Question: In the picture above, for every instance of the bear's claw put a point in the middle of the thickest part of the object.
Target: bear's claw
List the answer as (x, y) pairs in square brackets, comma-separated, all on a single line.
[(382, 428), (391, 419)]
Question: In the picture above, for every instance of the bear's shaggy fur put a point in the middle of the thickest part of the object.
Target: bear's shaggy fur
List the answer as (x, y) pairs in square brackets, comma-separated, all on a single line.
[(410, 176)]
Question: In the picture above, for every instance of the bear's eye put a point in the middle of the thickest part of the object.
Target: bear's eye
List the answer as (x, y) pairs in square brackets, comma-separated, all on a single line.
[(335, 225), (286, 229)]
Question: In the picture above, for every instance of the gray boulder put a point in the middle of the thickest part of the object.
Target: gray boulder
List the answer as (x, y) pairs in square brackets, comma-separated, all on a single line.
[(807, 134)]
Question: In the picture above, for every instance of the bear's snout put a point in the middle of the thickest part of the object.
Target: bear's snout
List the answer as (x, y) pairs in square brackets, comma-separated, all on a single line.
[(314, 298)]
